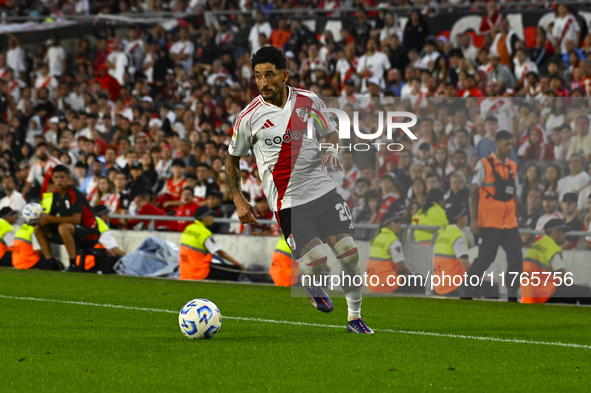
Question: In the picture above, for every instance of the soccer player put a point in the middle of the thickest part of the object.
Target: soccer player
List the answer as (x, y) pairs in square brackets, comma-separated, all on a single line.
[(295, 180), (70, 220)]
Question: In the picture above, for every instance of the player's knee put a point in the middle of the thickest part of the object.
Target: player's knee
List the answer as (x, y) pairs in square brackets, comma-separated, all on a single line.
[(346, 251), (64, 228), (315, 260)]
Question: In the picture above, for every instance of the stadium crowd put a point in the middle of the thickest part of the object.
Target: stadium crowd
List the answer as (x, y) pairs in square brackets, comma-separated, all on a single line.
[(144, 121)]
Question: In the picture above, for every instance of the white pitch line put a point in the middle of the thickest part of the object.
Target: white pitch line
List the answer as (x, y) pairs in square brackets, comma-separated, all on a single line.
[(418, 333)]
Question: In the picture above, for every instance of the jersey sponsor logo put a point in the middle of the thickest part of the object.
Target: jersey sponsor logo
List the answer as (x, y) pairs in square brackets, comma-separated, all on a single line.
[(287, 137), (268, 124)]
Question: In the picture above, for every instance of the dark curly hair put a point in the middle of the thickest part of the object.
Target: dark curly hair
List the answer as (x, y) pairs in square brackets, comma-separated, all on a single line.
[(269, 54)]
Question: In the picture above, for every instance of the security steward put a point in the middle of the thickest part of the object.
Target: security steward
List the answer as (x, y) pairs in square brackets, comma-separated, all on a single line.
[(26, 250), (493, 201), (284, 268), (198, 249), (107, 242), (432, 214), (451, 254), (386, 259), (545, 257), (7, 218)]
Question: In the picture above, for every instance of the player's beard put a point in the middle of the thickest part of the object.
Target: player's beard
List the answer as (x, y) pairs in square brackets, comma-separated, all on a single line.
[(275, 96)]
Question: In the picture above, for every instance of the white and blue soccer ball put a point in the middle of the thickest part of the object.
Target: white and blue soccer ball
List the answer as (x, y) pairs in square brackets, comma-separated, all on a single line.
[(32, 212), (199, 319)]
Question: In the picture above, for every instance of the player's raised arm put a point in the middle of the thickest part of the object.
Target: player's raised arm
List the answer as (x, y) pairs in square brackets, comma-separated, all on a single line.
[(246, 212)]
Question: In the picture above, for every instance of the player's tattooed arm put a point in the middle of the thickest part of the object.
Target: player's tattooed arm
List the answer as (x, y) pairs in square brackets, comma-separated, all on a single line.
[(246, 212), (233, 175)]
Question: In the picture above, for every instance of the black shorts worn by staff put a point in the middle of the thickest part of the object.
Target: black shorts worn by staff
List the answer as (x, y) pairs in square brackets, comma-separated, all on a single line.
[(86, 234), (326, 216)]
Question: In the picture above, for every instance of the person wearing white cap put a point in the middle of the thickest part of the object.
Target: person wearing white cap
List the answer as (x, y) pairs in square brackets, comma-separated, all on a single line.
[(372, 64)]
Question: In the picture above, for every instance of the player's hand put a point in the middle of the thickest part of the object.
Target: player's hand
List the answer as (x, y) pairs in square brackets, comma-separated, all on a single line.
[(43, 220), (246, 212), (330, 158), (474, 227)]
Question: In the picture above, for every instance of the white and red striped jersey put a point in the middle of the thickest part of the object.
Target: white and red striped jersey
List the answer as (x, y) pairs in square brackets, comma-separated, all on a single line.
[(502, 109), (565, 29), (346, 182), (111, 201), (49, 82), (289, 161), (91, 189), (40, 172), (521, 70), (14, 88), (173, 188)]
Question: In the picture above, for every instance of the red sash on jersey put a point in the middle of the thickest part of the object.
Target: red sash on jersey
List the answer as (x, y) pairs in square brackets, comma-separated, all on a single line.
[(350, 72), (385, 205), (43, 85), (13, 84), (566, 26), (496, 107)]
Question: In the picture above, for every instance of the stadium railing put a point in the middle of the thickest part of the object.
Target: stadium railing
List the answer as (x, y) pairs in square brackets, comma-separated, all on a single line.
[(358, 225)]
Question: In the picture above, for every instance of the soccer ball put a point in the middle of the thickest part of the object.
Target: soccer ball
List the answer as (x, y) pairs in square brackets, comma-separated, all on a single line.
[(199, 319), (32, 212)]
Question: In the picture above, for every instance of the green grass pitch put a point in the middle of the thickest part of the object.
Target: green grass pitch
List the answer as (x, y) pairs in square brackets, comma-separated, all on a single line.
[(76, 343)]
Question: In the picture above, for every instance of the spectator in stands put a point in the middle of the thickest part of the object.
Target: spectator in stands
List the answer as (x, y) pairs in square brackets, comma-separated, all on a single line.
[(186, 208), (535, 148), (500, 73), (361, 187), (264, 213), (533, 179), (280, 35), (13, 198), (372, 64), (550, 205), (432, 181), (459, 193), (145, 207), (577, 180), (416, 32), (170, 195), (528, 216), (391, 192), (572, 220), (260, 27), (581, 143)]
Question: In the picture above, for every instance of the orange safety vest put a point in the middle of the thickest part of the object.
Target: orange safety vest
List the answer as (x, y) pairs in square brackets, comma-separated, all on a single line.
[(89, 260), (380, 263), (491, 212), (23, 255), (446, 265), (538, 260), (284, 269), (5, 227), (194, 258)]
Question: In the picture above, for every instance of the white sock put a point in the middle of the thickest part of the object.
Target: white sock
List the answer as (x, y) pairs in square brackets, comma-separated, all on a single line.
[(348, 257)]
